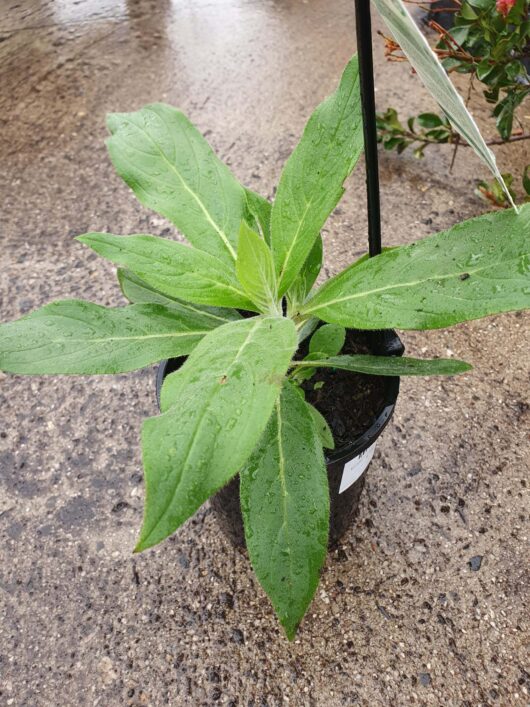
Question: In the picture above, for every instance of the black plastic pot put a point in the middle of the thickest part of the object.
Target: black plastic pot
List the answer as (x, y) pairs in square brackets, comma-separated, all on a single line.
[(346, 466), (442, 12)]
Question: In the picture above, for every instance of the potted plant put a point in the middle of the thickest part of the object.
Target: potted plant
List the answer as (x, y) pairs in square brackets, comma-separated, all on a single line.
[(256, 351)]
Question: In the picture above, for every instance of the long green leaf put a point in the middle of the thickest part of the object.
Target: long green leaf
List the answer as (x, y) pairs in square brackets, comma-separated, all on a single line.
[(139, 292), (76, 337), (285, 506), (172, 170), (260, 210), (433, 75), (215, 409), (307, 328), (390, 365), (477, 268), (327, 339), (323, 429), (304, 281), (172, 268), (255, 269), (312, 180)]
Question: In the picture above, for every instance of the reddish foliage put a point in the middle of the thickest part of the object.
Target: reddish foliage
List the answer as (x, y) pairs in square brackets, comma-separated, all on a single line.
[(504, 6)]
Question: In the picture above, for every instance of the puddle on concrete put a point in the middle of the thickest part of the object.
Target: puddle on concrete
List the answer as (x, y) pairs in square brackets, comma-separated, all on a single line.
[(68, 11)]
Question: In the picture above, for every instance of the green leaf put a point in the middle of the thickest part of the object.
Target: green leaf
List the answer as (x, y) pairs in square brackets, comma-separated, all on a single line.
[(139, 292), (429, 120), (302, 374), (504, 112), (311, 183), (390, 365), (481, 4), (460, 34), (433, 75), (391, 142), (305, 279), (285, 506), (467, 12), (312, 266), (173, 268), (172, 170), (484, 68), (215, 408), (255, 270), (260, 210), (390, 117), (307, 328), (477, 268), (322, 427), (76, 337), (328, 340), (441, 135)]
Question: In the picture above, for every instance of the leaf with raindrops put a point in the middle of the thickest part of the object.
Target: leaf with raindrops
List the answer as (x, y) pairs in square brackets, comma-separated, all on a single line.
[(255, 270), (388, 365), (259, 214), (76, 337), (172, 268), (285, 506), (311, 182), (304, 281), (477, 268), (214, 410), (173, 170), (139, 292)]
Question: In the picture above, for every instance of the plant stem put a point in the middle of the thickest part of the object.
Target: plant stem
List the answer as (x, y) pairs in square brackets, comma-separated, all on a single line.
[(427, 141)]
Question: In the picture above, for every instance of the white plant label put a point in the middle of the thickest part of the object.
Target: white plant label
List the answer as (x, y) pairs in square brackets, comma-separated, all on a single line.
[(355, 468)]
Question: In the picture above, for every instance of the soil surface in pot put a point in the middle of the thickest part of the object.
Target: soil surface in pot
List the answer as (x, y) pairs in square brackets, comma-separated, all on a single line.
[(350, 402)]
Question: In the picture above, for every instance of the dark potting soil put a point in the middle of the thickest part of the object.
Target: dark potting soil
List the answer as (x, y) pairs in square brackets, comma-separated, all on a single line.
[(350, 402)]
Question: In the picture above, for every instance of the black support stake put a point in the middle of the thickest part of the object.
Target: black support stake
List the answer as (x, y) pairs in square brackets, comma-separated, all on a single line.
[(366, 75), (384, 342)]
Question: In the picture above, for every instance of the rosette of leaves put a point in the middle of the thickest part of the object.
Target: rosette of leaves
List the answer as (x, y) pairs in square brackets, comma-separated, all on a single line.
[(236, 406)]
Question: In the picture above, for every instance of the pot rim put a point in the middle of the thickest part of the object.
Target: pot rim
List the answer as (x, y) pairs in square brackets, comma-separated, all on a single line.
[(367, 438)]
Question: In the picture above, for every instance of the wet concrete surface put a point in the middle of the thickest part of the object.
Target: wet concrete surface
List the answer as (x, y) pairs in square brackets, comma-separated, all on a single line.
[(424, 603)]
